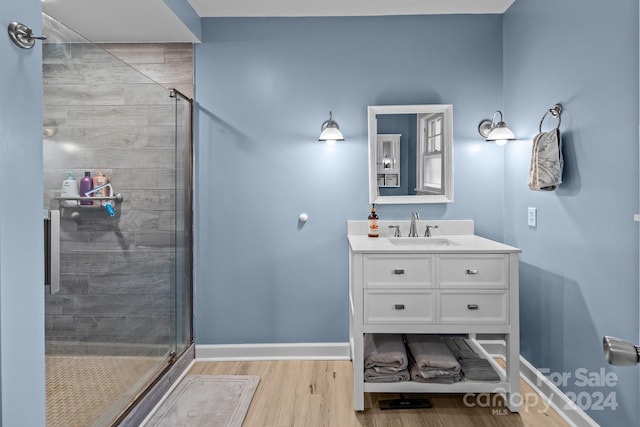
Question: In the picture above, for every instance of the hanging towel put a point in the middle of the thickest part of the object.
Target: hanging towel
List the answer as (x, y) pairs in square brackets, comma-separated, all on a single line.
[(545, 173)]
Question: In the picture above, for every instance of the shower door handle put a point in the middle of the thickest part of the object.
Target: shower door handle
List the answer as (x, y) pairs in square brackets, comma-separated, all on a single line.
[(52, 250)]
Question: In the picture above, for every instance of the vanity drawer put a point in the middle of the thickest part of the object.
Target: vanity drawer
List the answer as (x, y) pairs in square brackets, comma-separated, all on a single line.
[(406, 270), (487, 271), (383, 306), (456, 307)]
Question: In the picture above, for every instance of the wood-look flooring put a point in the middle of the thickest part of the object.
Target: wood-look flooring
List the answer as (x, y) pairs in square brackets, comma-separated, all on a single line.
[(320, 393)]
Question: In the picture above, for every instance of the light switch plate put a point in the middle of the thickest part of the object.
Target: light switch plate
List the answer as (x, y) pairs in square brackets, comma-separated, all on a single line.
[(532, 217)]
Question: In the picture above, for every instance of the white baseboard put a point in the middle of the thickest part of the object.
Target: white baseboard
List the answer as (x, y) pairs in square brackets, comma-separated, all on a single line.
[(294, 351), (552, 395)]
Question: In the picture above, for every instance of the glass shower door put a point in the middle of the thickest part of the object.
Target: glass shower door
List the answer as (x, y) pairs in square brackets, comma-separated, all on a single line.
[(183, 220), (121, 310)]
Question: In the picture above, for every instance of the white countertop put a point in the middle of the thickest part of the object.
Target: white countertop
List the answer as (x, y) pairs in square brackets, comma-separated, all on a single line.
[(460, 243), (459, 234)]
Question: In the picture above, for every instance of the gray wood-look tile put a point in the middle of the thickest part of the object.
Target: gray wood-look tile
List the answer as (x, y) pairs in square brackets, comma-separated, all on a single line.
[(104, 114)]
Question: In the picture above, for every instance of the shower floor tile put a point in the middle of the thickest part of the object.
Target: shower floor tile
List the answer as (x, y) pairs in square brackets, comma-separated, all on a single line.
[(87, 391)]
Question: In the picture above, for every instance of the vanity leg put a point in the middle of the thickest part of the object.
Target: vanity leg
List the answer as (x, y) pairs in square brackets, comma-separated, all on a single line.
[(514, 398), (356, 333), (358, 373)]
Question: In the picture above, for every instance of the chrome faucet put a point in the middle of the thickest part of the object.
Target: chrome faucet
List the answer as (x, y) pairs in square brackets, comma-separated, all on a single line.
[(397, 232), (413, 231)]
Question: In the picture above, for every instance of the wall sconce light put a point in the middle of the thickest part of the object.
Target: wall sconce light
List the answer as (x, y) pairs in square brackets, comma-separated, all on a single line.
[(330, 131), (496, 131)]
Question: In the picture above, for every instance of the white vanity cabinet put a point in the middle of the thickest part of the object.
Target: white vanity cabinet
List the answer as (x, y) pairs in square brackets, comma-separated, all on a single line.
[(459, 289)]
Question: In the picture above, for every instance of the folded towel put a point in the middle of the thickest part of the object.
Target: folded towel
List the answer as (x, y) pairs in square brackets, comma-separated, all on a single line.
[(459, 348), (440, 376), (383, 370), (385, 351), (473, 366), (430, 373), (429, 352), (478, 370), (371, 376), (545, 172)]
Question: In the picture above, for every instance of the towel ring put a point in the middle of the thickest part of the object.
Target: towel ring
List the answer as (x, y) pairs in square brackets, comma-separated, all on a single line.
[(556, 111)]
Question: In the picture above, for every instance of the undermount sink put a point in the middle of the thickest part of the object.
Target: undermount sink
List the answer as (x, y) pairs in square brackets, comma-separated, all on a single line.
[(420, 241)]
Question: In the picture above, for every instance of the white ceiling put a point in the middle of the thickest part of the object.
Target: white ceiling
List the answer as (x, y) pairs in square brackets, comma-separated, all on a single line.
[(345, 7), (119, 20), (153, 21)]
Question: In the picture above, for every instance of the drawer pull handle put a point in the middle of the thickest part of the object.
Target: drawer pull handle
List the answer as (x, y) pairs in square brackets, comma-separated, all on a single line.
[(398, 271), (472, 306), (399, 306), (472, 271)]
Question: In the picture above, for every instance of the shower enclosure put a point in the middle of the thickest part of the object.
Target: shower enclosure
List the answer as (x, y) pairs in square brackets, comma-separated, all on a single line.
[(118, 297)]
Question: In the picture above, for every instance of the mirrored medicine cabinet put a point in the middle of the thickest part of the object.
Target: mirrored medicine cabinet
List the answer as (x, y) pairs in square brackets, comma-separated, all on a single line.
[(410, 153)]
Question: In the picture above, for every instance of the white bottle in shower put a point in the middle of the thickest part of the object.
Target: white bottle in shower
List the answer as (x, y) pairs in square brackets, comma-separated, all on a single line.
[(70, 189)]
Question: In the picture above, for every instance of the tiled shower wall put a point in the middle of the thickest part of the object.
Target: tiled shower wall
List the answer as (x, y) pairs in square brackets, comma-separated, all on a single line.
[(117, 274)]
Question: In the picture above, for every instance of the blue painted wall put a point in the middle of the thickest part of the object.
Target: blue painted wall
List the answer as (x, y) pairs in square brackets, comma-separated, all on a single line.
[(263, 88), (579, 266), (22, 390)]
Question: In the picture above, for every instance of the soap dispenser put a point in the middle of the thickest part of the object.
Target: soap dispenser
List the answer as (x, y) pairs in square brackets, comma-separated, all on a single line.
[(69, 189), (373, 230)]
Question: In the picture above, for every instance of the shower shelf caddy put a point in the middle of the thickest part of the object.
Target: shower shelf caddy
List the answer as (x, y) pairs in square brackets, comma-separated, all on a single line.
[(103, 201), (117, 198)]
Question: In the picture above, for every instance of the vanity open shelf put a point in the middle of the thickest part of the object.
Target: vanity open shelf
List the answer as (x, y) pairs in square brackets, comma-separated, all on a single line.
[(464, 386), (467, 287)]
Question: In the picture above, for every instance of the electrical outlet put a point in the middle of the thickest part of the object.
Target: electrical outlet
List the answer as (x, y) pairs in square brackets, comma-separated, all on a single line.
[(532, 217)]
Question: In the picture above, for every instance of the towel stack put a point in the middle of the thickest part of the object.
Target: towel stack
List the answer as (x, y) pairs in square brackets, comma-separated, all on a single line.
[(473, 366), (425, 359), (431, 361), (385, 358)]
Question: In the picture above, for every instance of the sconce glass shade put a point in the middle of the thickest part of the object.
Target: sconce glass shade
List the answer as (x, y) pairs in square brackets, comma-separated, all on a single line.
[(330, 131), (386, 162), (501, 133), (496, 131)]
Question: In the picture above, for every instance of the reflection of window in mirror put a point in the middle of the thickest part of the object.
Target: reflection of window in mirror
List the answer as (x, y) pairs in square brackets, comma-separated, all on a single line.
[(430, 172)]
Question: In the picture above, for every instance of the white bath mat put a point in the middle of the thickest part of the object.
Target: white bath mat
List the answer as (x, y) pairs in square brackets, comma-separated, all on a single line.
[(207, 400)]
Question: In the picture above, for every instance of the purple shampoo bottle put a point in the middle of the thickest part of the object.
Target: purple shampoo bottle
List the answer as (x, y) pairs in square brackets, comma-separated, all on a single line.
[(86, 184)]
